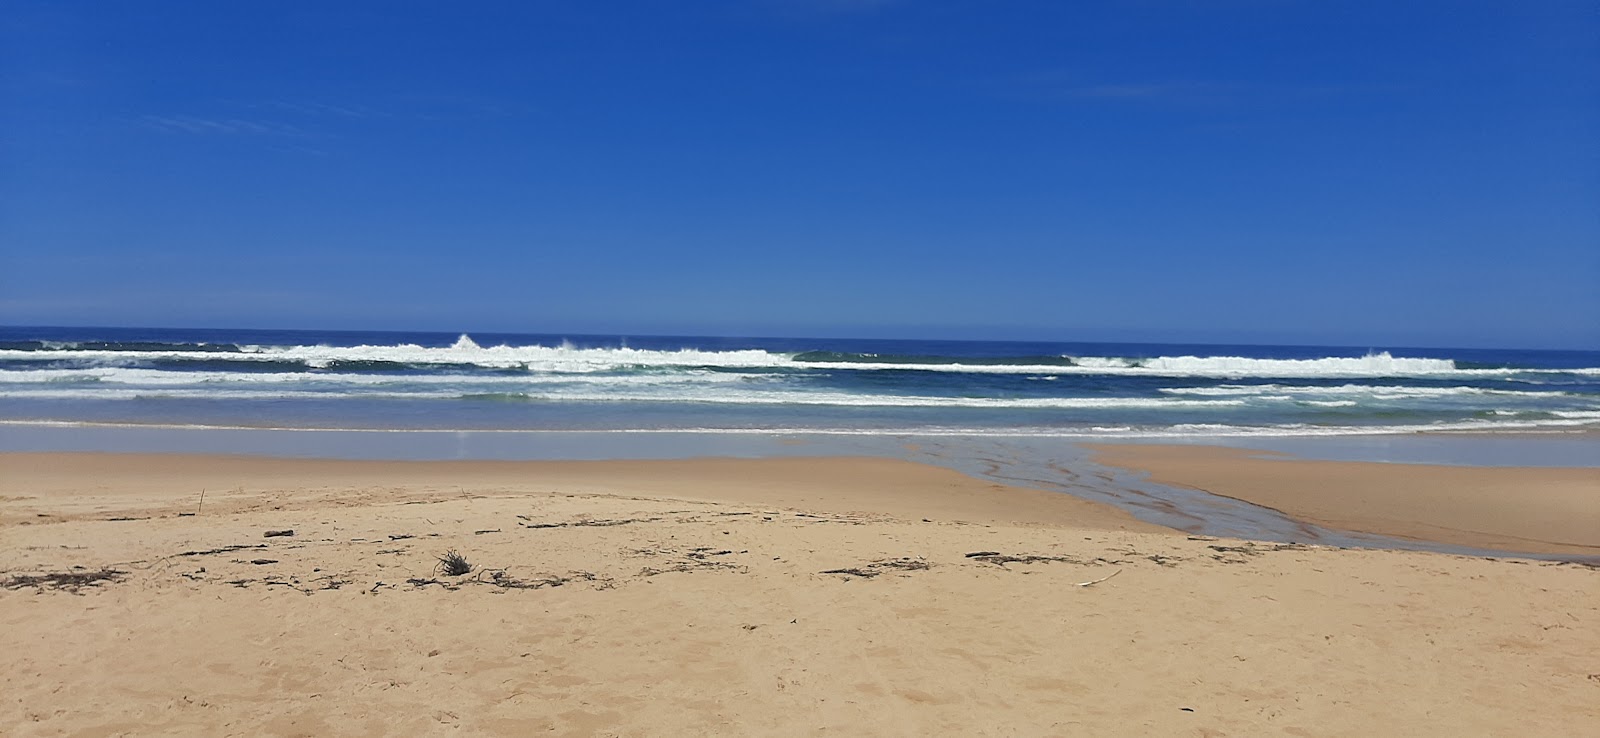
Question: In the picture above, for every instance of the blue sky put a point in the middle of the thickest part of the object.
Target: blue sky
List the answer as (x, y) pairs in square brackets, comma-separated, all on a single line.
[(1271, 171)]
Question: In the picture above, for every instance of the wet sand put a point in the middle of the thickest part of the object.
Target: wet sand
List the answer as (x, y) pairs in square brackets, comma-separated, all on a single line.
[(1517, 509), (732, 597)]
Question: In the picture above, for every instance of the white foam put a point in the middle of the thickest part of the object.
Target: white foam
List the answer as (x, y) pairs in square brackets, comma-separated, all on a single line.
[(1372, 365), (558, 359), (570, 359), (167, 377), (711, 395), (841, 399), (1102, 362), (1186, 431), (154, 393), (1380, 391)]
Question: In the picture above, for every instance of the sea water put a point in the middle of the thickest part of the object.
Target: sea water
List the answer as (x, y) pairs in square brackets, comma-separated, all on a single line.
[(1008, 411), (506, 382)]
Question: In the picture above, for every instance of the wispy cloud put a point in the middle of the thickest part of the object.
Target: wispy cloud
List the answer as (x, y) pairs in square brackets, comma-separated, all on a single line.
[(314, 109), (219, 126), (1066, 87), (1074, 88), (279, 118), (309, 126)]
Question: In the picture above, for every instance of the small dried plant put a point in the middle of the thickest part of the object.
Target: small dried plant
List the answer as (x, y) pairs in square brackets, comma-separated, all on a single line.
[(453, 564)]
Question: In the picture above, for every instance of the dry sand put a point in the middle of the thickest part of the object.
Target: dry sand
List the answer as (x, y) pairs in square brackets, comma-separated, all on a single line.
[(1534, 510), (694, 598)]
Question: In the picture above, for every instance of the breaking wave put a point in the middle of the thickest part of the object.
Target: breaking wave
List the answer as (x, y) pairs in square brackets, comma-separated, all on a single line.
[(1373, 391), (276, 377), (568, 359)]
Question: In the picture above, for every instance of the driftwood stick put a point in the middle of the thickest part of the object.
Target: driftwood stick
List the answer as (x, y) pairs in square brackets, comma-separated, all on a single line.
[(1093, 582)]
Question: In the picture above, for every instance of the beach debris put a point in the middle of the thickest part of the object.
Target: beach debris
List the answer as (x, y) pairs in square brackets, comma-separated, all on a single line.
[(224, 549), (1250, 549), (278, 533), (70, 581), (880, 567), (481, 532), (295, 585), (601, 523), (1093, 582), (692, 564), (1587, 564), (1000, 559), (263, 562), (322, 583), (840, 519), (694, 559), (499, 578), (453, 564), (330, 581)]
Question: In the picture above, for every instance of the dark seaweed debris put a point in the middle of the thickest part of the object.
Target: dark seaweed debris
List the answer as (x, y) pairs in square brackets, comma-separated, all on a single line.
[(880, 567), (71, 581)]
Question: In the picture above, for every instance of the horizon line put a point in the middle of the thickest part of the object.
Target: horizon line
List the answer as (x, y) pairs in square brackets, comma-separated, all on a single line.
[(468, 332)]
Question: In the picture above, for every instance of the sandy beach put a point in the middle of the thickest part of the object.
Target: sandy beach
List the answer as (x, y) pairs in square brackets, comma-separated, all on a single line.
[(1517, 509), (817, 596)]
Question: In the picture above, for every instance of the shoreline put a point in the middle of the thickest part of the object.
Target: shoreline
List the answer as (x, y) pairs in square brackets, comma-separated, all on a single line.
[(157, 485), (1531, 510), (1553, 430), (1108, 482)]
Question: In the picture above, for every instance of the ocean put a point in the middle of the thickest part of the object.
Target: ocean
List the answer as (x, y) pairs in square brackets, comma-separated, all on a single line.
[(1011, 412), (699, 384)]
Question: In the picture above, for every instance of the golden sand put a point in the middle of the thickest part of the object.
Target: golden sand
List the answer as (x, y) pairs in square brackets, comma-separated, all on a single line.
[(694, 598), (1533, 510)]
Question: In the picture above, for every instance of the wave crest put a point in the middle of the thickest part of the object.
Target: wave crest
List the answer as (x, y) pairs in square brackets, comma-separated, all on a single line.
[(565, 358)]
